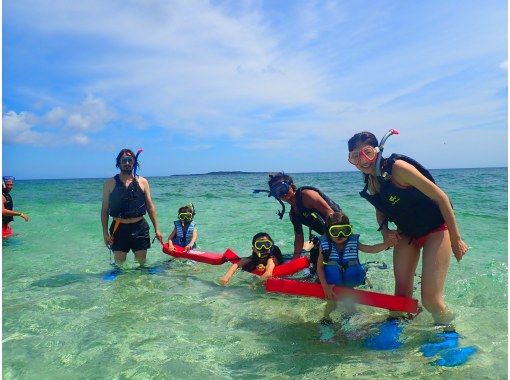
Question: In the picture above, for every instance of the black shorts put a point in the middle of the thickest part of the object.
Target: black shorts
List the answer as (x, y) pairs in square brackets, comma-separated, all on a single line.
[(133, 236)]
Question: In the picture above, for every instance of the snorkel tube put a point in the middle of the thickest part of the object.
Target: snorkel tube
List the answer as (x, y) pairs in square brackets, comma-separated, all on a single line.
[(135, 165), (192, 206), (381, 148), (280, 213)]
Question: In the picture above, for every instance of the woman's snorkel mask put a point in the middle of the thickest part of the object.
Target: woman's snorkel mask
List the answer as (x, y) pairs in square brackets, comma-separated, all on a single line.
[(379, 154)]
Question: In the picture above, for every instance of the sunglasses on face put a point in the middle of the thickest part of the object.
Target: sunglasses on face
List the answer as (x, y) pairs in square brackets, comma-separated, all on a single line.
[(340, 230), (262, 245), (368, 153), (127, 160), (280, 190), (185, 216)]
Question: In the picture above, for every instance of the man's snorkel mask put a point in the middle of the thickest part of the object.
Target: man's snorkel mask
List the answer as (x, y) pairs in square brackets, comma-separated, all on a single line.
[(379, 154)]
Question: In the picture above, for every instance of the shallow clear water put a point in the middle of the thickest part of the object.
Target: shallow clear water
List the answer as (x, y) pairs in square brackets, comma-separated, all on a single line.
[(62, 320)]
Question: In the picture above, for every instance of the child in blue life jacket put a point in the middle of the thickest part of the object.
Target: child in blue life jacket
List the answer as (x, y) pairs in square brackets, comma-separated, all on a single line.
[(338, 262), (185, 232), (265, 256)]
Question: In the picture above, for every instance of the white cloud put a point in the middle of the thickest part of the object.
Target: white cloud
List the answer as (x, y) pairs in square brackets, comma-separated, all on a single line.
[(91, 115), (80, 139), (57, 126), (18, 128), (182, 61), (321, 73), (55, 116)]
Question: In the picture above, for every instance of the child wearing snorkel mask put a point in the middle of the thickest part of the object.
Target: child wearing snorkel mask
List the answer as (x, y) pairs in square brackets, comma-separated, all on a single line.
[(265, 256), (185, 232), (338, 262)]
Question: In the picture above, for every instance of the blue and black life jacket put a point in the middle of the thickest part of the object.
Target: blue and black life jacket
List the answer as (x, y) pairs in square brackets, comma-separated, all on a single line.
[(127, 202), (343, 268), (183, 236), (9, 205), (310, 217), (413, 212)]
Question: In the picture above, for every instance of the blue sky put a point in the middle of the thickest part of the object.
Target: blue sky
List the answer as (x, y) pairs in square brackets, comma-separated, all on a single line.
[(249, 85)]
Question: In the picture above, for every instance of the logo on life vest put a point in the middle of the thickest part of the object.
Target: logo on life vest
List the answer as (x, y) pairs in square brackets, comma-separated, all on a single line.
[(393, 199)]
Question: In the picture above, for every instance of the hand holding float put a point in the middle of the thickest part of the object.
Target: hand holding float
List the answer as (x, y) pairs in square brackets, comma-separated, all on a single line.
[(109, 242)]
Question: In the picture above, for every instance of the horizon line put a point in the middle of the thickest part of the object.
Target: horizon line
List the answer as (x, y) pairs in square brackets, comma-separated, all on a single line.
[(240, 172)]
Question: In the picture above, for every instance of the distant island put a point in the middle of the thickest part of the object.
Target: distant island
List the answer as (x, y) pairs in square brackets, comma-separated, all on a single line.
[(218, 173)]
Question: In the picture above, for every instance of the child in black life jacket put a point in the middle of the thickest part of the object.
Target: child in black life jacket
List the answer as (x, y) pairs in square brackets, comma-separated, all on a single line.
[(265, 256), (185, 232), (338, 262)]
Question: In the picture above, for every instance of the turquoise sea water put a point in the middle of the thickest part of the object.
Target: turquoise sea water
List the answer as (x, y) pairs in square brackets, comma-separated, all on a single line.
[(62, 321)]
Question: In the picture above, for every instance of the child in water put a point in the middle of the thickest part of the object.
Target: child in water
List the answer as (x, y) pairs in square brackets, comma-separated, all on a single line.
[(265, 256), (339, 263), (185, 232)]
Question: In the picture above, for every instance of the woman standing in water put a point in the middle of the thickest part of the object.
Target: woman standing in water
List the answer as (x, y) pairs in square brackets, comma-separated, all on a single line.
[(404, 192)]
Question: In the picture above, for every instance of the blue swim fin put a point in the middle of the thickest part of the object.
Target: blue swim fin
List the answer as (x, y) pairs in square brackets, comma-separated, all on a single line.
[(446, 340), (388, 336), (455, 356), (326, 330), (112, 274), (155, 270)]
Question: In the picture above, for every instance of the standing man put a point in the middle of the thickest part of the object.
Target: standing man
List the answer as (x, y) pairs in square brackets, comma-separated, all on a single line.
[(8, 213), (126, 198)]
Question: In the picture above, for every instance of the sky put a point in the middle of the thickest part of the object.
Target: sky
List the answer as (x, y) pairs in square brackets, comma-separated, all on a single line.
[(260, 86)]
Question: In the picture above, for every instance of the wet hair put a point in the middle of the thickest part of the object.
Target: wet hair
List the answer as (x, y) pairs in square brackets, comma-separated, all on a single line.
[(126, 152), (275, 178), (336, 218), (366, 138), (261, 235)]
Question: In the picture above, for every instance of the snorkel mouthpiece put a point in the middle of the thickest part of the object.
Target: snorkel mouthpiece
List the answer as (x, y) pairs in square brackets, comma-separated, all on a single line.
[(381, 148)]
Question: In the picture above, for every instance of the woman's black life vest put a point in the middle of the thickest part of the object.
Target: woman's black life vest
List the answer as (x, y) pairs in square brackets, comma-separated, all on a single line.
[(127, 202), (9, 205), (307, 216), (413, 212)]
